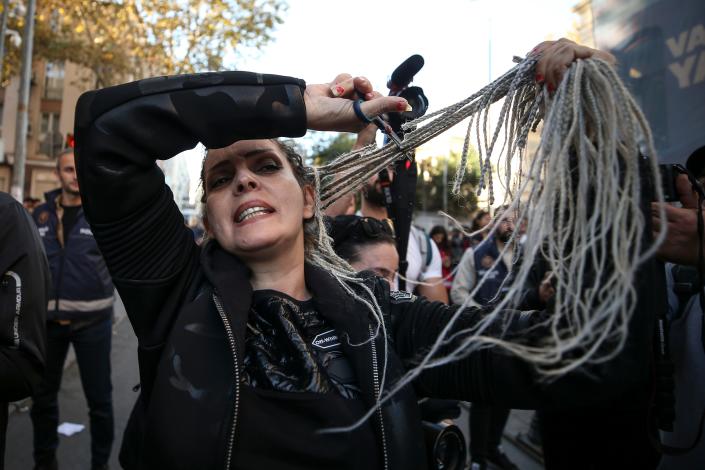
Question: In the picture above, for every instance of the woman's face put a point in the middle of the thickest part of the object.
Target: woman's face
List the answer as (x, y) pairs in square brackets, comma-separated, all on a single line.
[(484, 220), (254, 204), (438, 237), (380, 258)]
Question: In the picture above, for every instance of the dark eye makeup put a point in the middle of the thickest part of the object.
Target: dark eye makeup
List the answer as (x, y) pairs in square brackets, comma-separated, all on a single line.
[(216, 181), (264, 164), (267, 165)]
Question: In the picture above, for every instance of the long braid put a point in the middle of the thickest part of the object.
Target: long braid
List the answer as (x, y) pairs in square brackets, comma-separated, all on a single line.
[(589, 150)]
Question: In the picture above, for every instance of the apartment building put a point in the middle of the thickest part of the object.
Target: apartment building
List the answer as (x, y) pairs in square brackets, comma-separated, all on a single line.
[(55, 88)]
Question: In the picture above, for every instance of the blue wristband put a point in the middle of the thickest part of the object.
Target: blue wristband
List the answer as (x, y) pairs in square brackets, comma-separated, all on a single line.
[(358, 112)]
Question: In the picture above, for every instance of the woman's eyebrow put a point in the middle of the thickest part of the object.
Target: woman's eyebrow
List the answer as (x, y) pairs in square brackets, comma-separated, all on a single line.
[(221, 163), (258, 151), (249, 153)]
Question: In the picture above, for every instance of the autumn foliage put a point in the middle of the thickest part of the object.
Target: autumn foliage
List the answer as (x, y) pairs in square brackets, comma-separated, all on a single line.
[(130, 39)]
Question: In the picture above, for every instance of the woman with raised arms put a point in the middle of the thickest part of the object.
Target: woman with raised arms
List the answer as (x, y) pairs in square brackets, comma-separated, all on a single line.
[(255, 342)]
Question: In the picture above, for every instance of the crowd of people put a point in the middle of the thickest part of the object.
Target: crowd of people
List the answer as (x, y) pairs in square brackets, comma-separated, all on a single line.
[(258, 347)]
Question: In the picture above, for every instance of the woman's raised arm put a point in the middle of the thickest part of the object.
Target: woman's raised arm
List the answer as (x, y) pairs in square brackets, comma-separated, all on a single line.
[(121, 131)]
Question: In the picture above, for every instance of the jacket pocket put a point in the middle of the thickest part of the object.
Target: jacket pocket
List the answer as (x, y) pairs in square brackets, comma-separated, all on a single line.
[(10, 303)]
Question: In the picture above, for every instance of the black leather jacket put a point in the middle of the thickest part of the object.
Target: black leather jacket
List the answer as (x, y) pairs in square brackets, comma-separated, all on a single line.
[(189, 305), (24, 290), (25, 284)]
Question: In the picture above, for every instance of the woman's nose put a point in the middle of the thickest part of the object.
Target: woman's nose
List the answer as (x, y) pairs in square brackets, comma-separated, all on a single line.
[(246, 181)]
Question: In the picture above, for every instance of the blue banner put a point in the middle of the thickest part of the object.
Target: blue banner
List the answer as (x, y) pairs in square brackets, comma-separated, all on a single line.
[(660, 46)]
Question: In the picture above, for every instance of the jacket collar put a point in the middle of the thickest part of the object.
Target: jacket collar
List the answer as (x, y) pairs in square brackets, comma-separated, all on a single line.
[(230, 278), (350, 319), (53, 203), (231, 281), (53, 198)]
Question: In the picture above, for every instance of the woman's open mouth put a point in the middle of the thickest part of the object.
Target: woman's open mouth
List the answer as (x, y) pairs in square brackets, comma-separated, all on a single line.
[(252, 210)]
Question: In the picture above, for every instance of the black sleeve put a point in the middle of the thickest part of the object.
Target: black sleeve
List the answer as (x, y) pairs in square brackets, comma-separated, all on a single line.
[(494, 376), (122, 131), (24, 289)]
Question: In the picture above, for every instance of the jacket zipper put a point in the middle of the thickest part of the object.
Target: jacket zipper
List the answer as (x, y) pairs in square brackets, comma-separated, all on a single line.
[(375, 376), (231, 340), (58, 282), (62, 255)]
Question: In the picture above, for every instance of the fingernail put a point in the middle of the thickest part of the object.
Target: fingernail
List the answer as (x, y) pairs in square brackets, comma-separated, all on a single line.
[(539, 78), (338, 90), (551, 87), (402, 106)]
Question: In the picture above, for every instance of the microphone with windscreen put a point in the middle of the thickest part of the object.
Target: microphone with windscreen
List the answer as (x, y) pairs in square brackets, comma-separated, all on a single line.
[(398, 85), (404, 74)]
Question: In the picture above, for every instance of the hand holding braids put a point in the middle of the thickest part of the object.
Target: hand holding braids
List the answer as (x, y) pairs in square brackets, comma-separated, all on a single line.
[(581, 201), (589, 151)]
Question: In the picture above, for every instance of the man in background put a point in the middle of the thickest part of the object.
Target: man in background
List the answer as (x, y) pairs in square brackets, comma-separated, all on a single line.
[(424, 270), (79, 313)]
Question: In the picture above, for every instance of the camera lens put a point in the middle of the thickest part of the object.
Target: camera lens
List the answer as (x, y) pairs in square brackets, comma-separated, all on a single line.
[(449, 451)]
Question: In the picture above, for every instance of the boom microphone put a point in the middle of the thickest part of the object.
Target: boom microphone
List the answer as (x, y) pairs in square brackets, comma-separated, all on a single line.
[(403, 74)]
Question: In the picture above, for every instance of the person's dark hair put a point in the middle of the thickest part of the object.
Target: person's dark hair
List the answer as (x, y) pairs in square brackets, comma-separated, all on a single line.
[(476, 220), (499, 211), (351, 234), (440, 229)]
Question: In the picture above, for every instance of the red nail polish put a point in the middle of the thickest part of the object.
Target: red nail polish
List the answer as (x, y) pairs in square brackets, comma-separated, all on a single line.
[(401, 106), (340, 89), (539, 78), (551, 87)]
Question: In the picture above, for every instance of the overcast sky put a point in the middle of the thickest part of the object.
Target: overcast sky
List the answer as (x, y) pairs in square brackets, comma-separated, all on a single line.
[(320, 39)]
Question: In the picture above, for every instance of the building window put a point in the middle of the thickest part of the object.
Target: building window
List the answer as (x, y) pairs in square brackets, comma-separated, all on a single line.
[(50, 141), (54, 81)]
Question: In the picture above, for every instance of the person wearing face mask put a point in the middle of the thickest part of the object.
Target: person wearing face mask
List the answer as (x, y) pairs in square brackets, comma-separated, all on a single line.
[(231, 332)]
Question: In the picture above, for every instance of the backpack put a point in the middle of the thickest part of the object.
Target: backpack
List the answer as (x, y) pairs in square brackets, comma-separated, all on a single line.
[(424, 243)]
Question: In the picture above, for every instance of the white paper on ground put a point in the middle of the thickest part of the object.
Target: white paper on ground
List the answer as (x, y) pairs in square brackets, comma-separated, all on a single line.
[(69, 429)]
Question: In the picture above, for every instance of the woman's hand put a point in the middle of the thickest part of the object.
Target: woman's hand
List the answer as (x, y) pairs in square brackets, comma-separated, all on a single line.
[(546, 289), (557, 56), (329, 106)]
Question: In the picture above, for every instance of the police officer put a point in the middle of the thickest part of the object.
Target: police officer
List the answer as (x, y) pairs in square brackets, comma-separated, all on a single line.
[(80, 313)]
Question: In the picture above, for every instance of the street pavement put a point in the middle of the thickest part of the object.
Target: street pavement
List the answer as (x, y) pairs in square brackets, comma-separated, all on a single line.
[(74, 451)]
